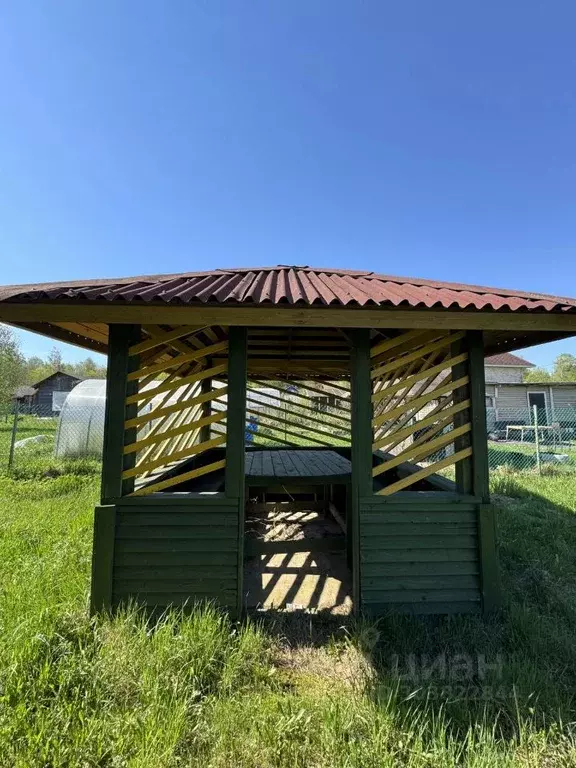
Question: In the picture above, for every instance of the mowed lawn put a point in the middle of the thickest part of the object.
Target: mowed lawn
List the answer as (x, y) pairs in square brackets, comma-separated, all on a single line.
[(291, 691)]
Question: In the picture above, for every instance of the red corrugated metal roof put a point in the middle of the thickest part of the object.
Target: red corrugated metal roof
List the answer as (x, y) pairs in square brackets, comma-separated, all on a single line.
[(507, 358), (290, 285)]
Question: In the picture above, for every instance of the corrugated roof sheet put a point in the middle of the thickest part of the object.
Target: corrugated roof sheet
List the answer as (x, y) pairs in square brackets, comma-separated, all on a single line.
[(289, 285), (507, 358)]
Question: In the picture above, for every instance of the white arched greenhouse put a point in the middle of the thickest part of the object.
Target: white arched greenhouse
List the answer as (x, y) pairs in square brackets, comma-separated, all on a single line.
[(80, 430), (81, 424)]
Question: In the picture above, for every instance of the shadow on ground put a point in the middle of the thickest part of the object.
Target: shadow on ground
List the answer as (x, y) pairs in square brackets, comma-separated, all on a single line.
[(507, 670)]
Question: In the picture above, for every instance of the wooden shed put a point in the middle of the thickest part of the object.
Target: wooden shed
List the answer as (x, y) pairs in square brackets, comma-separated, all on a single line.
[(361, 483)]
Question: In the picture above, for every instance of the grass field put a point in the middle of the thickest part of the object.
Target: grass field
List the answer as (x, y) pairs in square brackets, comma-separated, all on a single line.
[(289, 691)]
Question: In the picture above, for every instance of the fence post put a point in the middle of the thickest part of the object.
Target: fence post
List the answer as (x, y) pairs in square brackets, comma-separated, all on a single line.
[(537, 438), (13, 435)]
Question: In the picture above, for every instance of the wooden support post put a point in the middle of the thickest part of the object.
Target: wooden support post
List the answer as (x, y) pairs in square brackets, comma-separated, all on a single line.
[(102, 559), (361, 436), (205, 387), (462, 468), (235, 430), (491, 590), (121, 337)]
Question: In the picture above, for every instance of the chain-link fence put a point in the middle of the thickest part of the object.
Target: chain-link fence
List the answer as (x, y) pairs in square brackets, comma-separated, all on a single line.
[(532, 439), (38, 440)]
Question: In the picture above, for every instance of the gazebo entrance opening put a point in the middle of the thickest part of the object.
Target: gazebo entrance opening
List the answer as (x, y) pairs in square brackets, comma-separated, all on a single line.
[(298, 540)]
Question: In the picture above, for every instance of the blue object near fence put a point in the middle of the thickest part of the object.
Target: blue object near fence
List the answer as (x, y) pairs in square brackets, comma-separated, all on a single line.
[(251, 429)]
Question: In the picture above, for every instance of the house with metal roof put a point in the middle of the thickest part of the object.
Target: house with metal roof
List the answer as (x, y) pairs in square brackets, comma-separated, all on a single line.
[(361, 505), (46, 397), (511, 400)]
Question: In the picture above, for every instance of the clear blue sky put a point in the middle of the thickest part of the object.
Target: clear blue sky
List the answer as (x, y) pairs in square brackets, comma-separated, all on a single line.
[(427, 139)]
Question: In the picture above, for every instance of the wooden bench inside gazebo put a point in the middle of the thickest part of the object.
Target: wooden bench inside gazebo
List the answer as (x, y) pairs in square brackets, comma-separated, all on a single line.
[(293, 437)]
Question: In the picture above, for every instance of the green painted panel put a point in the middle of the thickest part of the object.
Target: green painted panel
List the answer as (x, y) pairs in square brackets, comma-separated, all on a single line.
[(181, 518), (415, 542), (420, 595), (195, 532), (174, 586), (421, 529), (424, 583), (167, 571), (419, 554), (177, 599), (379, 570), (176, 554), (448, 607), (175, 545), (163, 558), (465, 516)]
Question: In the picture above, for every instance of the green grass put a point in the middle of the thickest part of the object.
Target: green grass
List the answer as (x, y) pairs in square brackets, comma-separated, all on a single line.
[(200, 690)]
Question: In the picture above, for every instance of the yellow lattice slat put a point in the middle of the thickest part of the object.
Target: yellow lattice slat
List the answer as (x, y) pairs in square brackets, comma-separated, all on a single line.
[(188, 427), (407, 346), (410, 396), (185, 454), (436, 369), (418, 402), (207, 373), (158, 413), (164, 448), (180, 360), (385, 346), (424, 473), (393, 438), (162, 338), (419, 452), (418, 354), (180, 478)]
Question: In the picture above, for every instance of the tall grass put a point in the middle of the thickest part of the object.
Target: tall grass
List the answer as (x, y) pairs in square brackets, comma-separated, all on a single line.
[(200, 690)]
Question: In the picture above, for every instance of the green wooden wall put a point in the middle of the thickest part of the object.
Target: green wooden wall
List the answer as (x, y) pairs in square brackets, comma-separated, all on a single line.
[(423, 552), (165, 552), (419, 556), (169, 549)]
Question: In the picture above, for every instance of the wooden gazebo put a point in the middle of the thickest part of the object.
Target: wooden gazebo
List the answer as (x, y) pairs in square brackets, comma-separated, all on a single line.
[(236, 393)]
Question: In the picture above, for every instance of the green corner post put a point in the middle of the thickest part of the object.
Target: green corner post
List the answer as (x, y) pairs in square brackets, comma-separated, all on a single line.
[(490, 573), (361, 432), (235, 432), (120, 339)]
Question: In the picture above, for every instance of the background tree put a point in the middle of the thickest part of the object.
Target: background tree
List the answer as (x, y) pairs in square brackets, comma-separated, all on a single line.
[(12, 365), (54, 360), (564, 370)]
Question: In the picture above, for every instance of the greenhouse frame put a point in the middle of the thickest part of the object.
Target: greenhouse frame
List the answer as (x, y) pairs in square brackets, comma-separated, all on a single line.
[(244, 403)]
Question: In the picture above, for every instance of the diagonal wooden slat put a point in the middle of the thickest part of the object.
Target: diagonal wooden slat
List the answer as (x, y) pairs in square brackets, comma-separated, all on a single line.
[(160, 338), (177, 431), (406, 482), (407, 346), (185, 454), (385, 346), (160, 486), (419, 353), (421, 401), (158, 413), (391, 439), (450, 362), (419, 452), (149, 394), (180, 360)]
